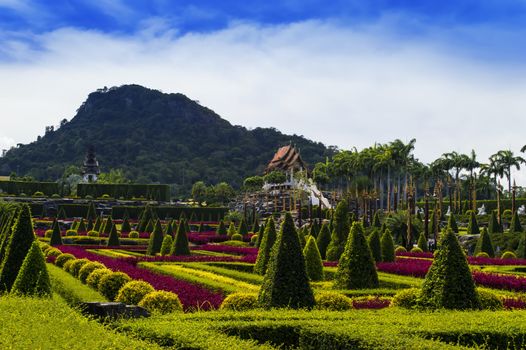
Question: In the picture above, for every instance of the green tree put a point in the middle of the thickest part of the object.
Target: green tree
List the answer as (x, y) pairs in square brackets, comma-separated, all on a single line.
[(243, 229), (199, 191), (221, 229), (115, 176), (452, 223), (376, 220), (56, 238), (275, 177), (286, 283), (422, 242), (169, 230), (156, 239), (231, 229), (521, 249), (388, 249), (267, 242), (323, 240), (180, 245), (473, 226), (493, 224), (515, 225), (313, 262), (261, 233), (82, 226), (125, 227), (356, 268), (484, 244), (340, 231), (167, 245), (33, 279), (374, 244), (448, 283), (253, 183), (92, 213), (113, 238)]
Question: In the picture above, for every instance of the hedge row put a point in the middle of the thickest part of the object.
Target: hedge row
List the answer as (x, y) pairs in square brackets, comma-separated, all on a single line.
[(165, 211), (127, 191), (29, 188), (489, 204)]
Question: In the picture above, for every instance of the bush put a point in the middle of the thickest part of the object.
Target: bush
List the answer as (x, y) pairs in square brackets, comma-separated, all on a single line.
[(422, 242), (508, 255), (407, 298), (387, 244), (473, 227), (180, 243), (332, 301), (268, 240), (400, 249), (167, 245), (243, 229), (33, 278), (53, 252), (356, 269), (88, 268), (484, 244), (489, 300), (161, 302), (231, 230), (38, 194), (110, 284), (156, 239), (95, 276), (113, 238), (416, 250), (76, 265), (448, 283), (482, 255), (286, 283), (452, 223), (240, 302), (515, 225), (253, 239), (323, 240), (340, 231), (236, 237), (521, 248), (62, 258), (71, 233), (313, 262), (374, 244), (48, 233), (133, 292), (67, 265), (221, 229), (133, 234), (493, 224), (56, 237), (93, 233)]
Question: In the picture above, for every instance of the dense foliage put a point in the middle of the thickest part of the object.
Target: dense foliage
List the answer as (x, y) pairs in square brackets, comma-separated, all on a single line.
[(340, 231)]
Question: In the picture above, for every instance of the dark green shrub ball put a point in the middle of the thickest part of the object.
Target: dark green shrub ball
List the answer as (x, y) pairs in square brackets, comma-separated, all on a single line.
[(89, 268), (110, 284), (489, 300), (48, 233), (62, 258), (332, 301), (400, 249), (240, 302), (407, 298), (133, 234), (236, 237), (161, 302), (76, 265), (133, 292), (95, 276)]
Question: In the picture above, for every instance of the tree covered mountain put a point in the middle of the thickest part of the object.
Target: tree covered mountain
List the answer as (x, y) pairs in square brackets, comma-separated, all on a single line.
[(155, 137)]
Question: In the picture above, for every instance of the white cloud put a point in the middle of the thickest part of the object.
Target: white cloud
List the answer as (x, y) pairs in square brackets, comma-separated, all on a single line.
[(341, 86)]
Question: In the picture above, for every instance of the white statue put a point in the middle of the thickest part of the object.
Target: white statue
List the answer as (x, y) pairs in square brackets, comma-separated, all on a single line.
[(448, 211), (482, 210), (522, 210)]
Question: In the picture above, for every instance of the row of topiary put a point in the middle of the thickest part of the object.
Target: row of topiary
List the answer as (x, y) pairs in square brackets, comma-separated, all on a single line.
[(115, 286)]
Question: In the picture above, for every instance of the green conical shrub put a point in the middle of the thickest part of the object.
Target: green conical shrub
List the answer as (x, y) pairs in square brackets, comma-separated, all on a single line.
[(365, 222), (356, 268), (484, 244), (376, 220), (521, 249), (167, 244), (374, 245), (448, 283), (286, 283), (473, 226), (150, 226), (126, 227), (107, 226), (452, 223), (92, 213), (267, 242), (156, 239), (301, 237), (422, 242), (113, 238), (493, 224), (515, 225), (313, 263), (61, 215), (323, 240), (340, 231), (242, 230), (221, 229), (261, 233), (98, 224), (146, 217), (81, 226), (200, 228), (21, 238), (314, 230), (255, 226), (388, 248), (180, 243), (231, 229), (33, 279), (74, 225), (169, 230), (89, 225), (56, 238), (187, 226)]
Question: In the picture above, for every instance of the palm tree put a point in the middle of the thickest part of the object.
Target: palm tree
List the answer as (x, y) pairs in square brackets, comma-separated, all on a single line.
[(507, 160), (523, 149)]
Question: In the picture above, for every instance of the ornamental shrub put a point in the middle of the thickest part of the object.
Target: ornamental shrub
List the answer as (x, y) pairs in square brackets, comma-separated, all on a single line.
[(236, 237), (356, 268), (180, 243), (52, 252), (156, 239), (515, 225), (332, 301), (161, 302), (489, 300), (167, 245), (240, 302), (301, 237), (33, 279), (133, 292), (253, 240), (340, 231), (18, 246), (93, 233), (508, 255), (231, 229), (521, 249), (74, 225), (92, 213), (88, 268), (110, 284), (133, 234), (221, 229), (76, 265), (70, 233), (67, 265), (323, 240), (482, 255), (169, 230), (387, 245), (493, 224), (48, 233), (407, 298), (313, 263), (452, 223), (376, 220), (113, 239), (255, 226), (416, 250), (422, 242), (81, 226), (145, 219), (374, 244), (95, 276), (98, 224), (62, 258), (269, 237), (125, 227), (314, 229), (473, 226), (400, 249), (286, 283), (484, 244), (243, 229), (260, 234), (448, 283)]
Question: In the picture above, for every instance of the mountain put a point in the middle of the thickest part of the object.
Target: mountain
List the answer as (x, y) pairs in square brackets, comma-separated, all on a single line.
[(155, 137)]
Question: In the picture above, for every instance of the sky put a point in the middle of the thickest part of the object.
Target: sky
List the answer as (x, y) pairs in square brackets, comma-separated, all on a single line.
[(451, 74)]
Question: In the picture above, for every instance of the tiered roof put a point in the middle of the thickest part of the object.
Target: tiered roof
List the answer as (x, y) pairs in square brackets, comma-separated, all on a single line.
[(286, 158)]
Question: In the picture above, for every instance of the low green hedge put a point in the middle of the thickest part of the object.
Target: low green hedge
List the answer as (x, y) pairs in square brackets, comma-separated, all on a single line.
[(70, 288)]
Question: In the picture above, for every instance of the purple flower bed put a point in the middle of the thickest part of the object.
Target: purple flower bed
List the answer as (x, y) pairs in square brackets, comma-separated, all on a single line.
[(514, 303), (426, 255), (192, 296), (371, 303), (495, 261), (493, 280), (406, 267), (228, 249)]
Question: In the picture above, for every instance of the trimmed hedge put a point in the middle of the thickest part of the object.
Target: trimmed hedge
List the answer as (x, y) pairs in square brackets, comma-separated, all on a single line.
[(29, 187), (127, 191), (170, 211)]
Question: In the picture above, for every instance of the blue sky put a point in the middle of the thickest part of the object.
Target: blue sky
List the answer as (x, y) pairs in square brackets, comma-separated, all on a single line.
[(350, 73)]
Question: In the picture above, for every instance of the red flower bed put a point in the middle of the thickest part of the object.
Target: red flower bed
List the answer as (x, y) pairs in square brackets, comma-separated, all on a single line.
[(371, 303)]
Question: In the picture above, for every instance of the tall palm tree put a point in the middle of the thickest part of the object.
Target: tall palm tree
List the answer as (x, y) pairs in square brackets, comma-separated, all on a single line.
[(507, 160), (523, 149)]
